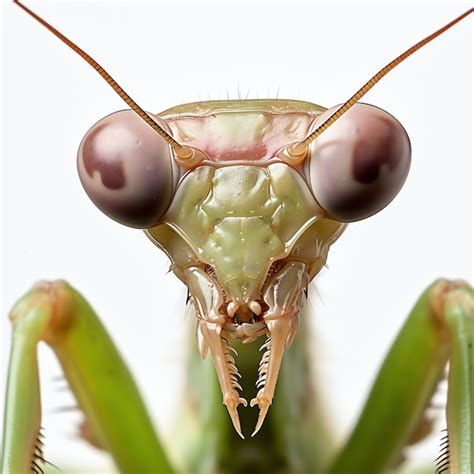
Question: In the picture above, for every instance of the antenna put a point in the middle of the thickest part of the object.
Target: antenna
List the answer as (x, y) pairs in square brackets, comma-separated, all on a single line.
[(298, 150), (181, 151)]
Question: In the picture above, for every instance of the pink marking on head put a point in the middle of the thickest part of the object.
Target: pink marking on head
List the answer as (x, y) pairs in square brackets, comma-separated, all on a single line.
[(241, 136)]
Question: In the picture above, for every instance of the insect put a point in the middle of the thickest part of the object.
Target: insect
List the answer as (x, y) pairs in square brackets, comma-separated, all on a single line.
[(114, 229)]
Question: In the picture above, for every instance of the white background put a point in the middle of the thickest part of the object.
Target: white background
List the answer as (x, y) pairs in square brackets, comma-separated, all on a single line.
[(166, 54)]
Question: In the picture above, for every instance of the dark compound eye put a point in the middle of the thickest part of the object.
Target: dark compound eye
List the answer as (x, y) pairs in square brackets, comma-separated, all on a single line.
[(127, 170), (359, 164)]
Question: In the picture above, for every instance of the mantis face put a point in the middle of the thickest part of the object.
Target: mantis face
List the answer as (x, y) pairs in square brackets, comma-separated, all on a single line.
[(245, 225)]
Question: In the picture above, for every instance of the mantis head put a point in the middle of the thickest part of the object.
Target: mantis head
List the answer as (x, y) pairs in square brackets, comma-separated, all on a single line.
[(246, 227)]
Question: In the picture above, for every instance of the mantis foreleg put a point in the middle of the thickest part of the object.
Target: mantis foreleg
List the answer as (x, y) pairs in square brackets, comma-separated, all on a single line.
[(98, 377), (439, 328)]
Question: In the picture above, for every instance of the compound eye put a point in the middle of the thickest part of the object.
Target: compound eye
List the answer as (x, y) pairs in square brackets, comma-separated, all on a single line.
[(359, 164), (127, 170)]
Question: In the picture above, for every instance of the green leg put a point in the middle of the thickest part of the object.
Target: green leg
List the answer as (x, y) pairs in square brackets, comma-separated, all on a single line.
[(439, 328), (102, 384), (459, 315)]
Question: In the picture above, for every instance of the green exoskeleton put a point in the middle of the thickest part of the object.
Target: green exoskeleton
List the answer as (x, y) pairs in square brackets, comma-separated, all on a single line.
[(246, 198)]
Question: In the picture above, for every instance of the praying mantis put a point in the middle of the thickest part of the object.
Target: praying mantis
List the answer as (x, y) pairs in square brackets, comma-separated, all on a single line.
[(406, 267)]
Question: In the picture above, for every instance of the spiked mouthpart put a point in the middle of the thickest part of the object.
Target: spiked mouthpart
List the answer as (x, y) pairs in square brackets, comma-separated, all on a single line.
[(217, 325)]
